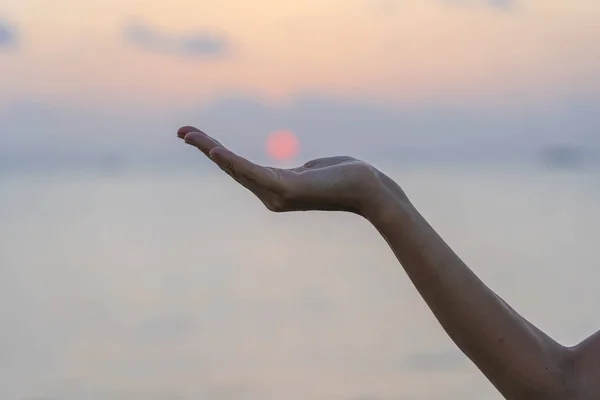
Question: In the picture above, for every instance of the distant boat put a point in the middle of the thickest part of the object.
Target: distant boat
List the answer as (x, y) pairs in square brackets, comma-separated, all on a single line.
[(562, 156)]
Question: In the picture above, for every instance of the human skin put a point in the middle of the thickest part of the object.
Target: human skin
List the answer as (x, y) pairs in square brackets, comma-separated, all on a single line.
[(520, 360)]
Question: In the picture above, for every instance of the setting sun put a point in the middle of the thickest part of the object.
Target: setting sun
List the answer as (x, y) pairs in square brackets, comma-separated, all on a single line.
[(282, 145)]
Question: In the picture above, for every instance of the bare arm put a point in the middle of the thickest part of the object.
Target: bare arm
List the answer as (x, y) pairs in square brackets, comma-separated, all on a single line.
[(520, 360), (586, 361)]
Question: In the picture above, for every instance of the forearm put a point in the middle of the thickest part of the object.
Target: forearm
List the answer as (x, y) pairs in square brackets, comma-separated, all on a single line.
[(518, 358)]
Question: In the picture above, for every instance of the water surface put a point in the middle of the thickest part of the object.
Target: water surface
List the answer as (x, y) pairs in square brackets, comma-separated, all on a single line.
[(172, 284)]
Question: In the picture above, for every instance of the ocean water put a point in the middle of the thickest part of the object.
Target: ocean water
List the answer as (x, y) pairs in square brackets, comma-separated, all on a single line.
[(175, 284)]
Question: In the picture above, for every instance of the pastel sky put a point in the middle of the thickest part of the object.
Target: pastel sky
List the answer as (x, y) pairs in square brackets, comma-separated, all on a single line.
[(113, 55)]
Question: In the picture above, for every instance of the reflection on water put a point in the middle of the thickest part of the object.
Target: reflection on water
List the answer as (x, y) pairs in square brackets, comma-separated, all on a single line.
[(168, 285)]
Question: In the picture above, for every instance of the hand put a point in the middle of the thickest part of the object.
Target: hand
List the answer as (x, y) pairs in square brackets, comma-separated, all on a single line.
[(332, 183)]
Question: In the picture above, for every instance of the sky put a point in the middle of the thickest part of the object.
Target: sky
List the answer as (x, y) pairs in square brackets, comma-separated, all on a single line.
[(359, 76)]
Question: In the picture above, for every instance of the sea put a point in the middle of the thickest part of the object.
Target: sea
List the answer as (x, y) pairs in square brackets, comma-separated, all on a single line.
[(174, 283)]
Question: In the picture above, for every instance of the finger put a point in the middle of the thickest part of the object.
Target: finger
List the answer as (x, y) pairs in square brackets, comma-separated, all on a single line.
[(184, 130), (201, 141), (251, 175)]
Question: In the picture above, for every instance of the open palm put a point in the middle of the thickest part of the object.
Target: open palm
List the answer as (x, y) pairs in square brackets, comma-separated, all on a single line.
[(333, 183)]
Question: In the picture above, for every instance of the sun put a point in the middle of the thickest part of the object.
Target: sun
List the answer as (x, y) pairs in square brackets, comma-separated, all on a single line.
[(282, 145)]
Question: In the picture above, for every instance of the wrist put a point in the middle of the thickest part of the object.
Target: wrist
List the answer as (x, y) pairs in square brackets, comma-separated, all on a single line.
[(385, 202)]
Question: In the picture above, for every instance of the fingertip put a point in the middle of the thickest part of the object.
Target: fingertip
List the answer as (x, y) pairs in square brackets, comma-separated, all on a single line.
[(184, 130), (191, 137)]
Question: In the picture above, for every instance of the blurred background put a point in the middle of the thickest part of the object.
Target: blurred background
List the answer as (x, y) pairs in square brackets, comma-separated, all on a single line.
[(130, 268)]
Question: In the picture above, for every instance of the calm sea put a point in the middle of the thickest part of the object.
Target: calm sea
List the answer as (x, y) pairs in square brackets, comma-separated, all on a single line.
[(172, 284)]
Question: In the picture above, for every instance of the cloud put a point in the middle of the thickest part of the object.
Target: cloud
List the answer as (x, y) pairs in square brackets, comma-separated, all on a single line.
[(393, 6), (499, 4), (199, 44), (8, 35)]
